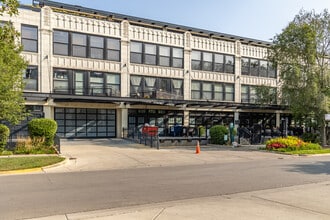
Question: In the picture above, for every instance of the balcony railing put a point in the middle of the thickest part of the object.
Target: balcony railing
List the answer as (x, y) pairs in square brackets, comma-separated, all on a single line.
[(95, 91), (154, 94)]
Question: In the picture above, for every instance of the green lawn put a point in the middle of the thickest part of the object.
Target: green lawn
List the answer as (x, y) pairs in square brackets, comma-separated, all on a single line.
[(18, 163)]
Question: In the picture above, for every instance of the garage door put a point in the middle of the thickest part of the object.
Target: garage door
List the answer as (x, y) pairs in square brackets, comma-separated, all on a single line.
[(82, 122)]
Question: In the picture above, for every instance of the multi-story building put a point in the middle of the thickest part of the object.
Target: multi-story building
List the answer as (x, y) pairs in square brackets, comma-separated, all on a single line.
[(97, 72)]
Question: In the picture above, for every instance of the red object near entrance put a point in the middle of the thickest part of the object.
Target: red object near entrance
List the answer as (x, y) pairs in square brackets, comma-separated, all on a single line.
[(150, 130)]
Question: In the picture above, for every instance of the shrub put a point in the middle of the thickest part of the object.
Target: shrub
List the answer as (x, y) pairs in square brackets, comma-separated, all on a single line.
[(217, 134), (43, 127), (290, 143), (4, 134), (310, 137), (33, 146)]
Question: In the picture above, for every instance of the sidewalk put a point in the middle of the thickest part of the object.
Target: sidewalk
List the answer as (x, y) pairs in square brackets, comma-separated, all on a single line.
[(294, 203)]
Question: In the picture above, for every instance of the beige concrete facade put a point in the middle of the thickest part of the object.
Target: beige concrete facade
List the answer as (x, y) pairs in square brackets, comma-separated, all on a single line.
[(48, 19)]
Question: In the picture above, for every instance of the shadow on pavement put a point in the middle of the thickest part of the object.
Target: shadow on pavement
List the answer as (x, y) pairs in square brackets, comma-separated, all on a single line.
[(322, 167)]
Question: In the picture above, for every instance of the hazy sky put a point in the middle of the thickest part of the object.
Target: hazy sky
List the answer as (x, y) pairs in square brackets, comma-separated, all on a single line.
[(258, 19)]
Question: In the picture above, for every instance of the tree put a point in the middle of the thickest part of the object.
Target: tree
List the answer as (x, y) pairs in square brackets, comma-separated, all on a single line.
[(11, 68), (302, 55)]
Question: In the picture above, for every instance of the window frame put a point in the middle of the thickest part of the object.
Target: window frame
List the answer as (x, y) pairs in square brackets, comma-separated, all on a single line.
[(31, 77), (213, 94), (30, 39), (109, 52), (175, 61), (213, 64), (55, 42)]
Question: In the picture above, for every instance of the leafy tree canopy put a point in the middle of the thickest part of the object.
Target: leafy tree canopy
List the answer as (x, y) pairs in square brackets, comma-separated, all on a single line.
[(11, 68), (302, 55)]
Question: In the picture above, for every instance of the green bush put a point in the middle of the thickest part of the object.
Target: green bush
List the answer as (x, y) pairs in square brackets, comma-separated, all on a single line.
[(4, 135), (310, 137), (43, 128), (217, 134), (290, 143)]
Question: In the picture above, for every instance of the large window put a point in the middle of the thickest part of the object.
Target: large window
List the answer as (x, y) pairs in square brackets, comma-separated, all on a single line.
[(156, 87), (212, 91), (80, 82), (215, 62), (79, 45), (29, 36), (249, 94), (113, 49), (256, 67), (164, 56), (83, 45), (136, 52), (96, 47), (30, 77), (61, 81), (61, 43), (153, 54)]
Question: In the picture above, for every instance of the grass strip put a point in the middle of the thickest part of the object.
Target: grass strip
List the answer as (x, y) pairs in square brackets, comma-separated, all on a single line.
[(19, 163), (310, 152)]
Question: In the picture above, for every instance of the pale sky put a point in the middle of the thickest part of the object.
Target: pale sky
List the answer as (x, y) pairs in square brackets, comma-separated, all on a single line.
[(257, 19)]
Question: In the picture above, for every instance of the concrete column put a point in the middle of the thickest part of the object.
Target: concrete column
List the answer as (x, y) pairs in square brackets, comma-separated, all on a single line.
[(49, 111), (278, 119), (238, 72), (121, 121), (186, 118), (187, 67), (125, 60), (45, 51)]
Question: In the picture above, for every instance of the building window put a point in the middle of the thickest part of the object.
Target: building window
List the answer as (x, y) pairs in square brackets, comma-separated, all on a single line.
[(79, 45), (249, 95), (256, 67), (150, 54), (218, 62), (113, 84), (156, 88), (61, 81), (136, 52), (153, 54), (61, 43), (96, 47), (212, 91), (83, 45), (29, 37), (229, 92), (208, 61), (218, 92), (207, 91), (229, 65), (164, 56), (113, 49), (96, 83), (30, 78), (177, 57), (196, 60), (86, 83), (245, 66)]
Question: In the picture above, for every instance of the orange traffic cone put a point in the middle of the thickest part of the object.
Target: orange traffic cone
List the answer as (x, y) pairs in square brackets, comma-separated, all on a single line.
[(198, 149)]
